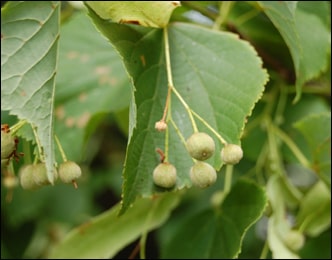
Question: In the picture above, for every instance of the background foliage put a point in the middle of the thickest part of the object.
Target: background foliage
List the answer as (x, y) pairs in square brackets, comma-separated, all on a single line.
[(257, 72)]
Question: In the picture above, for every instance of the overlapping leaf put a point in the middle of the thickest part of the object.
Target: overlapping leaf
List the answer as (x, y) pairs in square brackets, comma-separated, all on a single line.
[(309, 50), (219, 76), (106, 234), (29, 46), (218, 233), (91, 80)]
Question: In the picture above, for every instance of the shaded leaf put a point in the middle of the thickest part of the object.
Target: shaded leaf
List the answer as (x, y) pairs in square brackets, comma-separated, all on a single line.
[(218, 233), (29, 47), (316, 129), (91, 80), (309, 50), (106, 234), (314, 218)]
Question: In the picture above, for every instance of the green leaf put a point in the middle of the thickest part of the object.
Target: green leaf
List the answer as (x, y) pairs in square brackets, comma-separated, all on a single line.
[(91, 80), (147, 13), (221, 82), (314, 218), (316, 129), (310, 51), (106, 234), (218, 233), (29, 47)]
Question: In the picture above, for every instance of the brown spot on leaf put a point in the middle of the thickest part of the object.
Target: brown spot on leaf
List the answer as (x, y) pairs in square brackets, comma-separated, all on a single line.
[(129, 21), (82, 97), (83, 120), (70, 122), (102, 70), (143, 60), (60, 112), (72, 55)]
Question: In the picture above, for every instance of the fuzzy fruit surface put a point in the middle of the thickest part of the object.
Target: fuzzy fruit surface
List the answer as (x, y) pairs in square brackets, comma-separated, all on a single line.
[(69, 171), (202, 174), (26, 177), (164, 175), (200, 146), (40, 174), (7, 144), (231, 154)]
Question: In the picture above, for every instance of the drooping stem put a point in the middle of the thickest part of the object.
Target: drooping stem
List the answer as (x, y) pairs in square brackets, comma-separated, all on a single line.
[(228, 179), (222, 140), (62, 152), (171, 84), (40, 150)]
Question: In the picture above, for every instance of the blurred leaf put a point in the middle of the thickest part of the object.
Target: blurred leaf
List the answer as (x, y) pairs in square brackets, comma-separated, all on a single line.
[(317, 247), (314, 215), (218, 233), (309, 51), (91, 80), (221, 82), (316, 129), (146, 13), (29, 49), (106, 234)]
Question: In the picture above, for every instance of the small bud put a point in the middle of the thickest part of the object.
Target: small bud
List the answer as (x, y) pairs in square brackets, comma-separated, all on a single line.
[(8, 144), (69, 172), (160, 126)]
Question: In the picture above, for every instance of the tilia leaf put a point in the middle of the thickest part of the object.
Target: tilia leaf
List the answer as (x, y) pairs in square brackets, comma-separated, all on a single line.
[(219, 76), (29, 47)]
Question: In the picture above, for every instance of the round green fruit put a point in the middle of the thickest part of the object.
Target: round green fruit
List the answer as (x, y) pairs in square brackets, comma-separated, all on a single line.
[(26, 177), (164, 175), (40, 174), (200, 146), (69, 171), (231, 154), (202, 174)]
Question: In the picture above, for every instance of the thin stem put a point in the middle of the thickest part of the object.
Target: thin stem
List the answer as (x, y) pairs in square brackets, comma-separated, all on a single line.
[(222, 140), (225, 6), (170, 81), (228, 179), (142, 245), (17, 126), (63, 155), (166, 144), (189, 111), (292, 146), (264, 251), (40, 150)]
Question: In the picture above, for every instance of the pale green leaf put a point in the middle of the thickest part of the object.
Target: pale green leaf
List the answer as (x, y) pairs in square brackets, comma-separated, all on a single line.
[(29, 46), (316, 130), (103, 236), (314, 215), (145, 13)]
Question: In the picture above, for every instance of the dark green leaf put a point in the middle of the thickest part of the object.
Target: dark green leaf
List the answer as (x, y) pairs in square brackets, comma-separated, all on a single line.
[(218, 233)]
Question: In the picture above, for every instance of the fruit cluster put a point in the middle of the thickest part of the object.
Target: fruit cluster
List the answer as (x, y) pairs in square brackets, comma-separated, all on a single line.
[(200, 147), (33, 176)]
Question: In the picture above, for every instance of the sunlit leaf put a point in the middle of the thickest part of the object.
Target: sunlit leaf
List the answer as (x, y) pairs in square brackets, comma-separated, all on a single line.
[(29, 47)]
